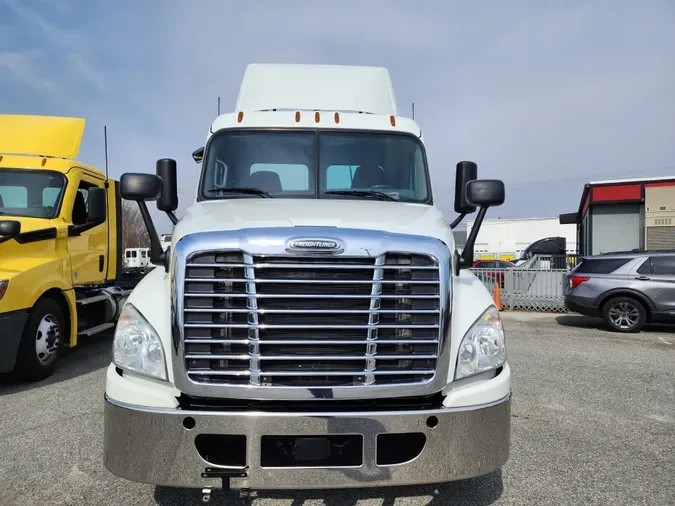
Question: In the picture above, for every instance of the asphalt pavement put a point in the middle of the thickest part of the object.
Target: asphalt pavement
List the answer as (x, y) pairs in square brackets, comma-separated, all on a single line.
[(593, 423)]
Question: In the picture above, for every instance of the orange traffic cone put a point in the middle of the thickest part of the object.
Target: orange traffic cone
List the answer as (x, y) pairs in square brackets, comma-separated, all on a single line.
[(497, 296)]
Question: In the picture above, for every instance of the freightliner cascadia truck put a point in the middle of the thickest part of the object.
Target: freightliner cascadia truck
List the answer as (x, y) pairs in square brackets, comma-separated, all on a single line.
[(311, 323), (61, 275)]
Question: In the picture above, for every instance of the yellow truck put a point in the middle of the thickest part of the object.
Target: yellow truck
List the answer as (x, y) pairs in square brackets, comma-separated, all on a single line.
[(60, 244)]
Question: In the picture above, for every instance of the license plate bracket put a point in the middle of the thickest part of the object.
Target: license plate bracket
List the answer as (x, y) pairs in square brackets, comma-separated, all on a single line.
[(341, 450)]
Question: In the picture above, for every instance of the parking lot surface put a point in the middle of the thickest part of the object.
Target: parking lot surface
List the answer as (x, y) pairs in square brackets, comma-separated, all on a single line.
[(593, 423)]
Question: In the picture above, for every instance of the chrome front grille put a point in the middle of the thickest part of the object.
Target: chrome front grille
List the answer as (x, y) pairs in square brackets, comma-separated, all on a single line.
[(311, 321)]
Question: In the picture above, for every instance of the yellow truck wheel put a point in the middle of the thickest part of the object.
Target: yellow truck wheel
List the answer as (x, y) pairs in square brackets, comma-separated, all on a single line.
[(41, 340)]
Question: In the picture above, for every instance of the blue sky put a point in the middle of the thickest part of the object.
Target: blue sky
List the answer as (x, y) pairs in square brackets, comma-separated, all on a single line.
[(544, 95)]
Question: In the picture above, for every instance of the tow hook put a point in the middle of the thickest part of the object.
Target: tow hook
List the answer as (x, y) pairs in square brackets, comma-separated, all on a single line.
[(244, 493)]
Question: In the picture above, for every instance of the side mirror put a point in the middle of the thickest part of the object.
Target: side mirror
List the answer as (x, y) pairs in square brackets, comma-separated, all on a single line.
[(485, 192), (466, 172), (198, 155), (97, 206), (168, 201), (9, 229), (140, 187)]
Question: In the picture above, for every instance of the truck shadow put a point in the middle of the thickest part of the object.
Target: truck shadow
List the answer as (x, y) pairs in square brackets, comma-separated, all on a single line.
[(481, 491), (91, 354), (589, 322)]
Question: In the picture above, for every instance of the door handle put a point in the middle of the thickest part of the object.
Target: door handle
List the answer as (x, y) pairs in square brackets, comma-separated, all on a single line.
[(642, 278)]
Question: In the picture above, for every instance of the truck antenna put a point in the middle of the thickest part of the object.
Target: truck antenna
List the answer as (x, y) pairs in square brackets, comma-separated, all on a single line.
[(105, 141), (218, 106), (413, 110)]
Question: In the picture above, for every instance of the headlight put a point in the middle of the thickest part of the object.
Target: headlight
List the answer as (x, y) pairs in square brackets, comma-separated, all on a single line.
[(3, 287), (136, 346), (482, 348)]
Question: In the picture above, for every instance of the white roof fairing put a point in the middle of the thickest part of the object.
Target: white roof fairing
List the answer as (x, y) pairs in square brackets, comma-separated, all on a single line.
[(317, 87)]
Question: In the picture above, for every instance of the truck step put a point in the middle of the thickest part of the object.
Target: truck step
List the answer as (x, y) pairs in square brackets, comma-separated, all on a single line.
[(96, 330), (101, 296), (90, 300)]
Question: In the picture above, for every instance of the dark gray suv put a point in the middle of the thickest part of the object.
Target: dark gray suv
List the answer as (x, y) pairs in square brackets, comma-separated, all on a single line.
[(626, 289)]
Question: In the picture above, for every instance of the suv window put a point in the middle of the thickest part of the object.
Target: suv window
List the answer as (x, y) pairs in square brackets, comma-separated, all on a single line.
[(600, 265), (645, 268), (658, 265)]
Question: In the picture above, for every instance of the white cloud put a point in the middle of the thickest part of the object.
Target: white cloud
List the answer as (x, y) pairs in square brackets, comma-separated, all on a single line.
[(22, 67)]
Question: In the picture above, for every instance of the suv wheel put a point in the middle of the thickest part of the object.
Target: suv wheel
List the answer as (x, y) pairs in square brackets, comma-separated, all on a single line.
[(625, 314)]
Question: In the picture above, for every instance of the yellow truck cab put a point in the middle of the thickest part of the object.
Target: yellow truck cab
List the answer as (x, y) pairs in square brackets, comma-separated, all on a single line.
[(60, 244)]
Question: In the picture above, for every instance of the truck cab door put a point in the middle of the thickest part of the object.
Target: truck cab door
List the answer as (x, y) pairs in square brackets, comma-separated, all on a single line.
[(87, 250)]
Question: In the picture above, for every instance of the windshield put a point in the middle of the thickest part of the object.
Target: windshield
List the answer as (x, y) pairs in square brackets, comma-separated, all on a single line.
[(30, 193), (313, 164)]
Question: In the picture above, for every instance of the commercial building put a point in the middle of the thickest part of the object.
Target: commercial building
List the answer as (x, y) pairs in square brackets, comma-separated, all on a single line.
[(625, 214), (506, 239)]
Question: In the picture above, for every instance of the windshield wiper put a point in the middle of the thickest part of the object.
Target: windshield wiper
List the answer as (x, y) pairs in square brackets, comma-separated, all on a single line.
[(251, 191), (363, 193)]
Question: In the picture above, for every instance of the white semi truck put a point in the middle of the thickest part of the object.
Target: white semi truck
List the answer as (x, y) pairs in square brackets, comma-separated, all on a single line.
[(312, 324)]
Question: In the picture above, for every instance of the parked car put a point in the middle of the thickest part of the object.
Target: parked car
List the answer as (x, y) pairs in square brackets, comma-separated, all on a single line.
[(497, 275), (626, 289)]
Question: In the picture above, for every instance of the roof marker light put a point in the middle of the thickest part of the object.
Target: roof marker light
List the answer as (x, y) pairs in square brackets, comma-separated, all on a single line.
[(240, 116), (337, 117), (44, 160), (297, 116), (0, 158), (392, 120), (317, 116)]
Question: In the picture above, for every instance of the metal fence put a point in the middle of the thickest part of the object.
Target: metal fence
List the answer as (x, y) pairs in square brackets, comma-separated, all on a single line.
[(533, 286)]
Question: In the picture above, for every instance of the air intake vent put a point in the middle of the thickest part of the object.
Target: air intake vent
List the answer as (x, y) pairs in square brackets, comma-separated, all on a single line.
[(303, 321)]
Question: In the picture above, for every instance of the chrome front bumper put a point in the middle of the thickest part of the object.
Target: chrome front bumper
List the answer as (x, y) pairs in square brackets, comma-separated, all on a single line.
[(152, 445)]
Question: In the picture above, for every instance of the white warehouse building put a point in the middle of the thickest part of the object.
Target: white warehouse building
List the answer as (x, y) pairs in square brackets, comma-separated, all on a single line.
[(506, 239)]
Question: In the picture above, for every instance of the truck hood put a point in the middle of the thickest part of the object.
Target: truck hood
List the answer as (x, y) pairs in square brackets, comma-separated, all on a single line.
[(235, 214)]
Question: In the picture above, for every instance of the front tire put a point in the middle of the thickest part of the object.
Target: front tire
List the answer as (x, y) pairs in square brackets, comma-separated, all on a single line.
[(41, 341), (625, 314)]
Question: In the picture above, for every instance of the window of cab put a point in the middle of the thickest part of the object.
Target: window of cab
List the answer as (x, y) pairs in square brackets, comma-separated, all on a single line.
[(310, 163), (30, 193)]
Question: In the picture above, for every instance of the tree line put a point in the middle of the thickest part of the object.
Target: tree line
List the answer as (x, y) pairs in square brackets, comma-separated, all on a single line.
[(134, 233)]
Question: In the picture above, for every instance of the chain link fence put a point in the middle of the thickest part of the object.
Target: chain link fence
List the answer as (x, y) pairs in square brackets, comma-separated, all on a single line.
[(533, 286)]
